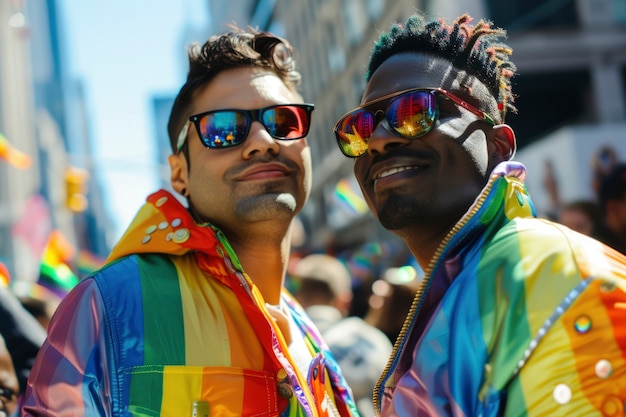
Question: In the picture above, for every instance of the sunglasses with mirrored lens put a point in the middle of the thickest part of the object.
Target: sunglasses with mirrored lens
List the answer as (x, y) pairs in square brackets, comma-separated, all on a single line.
[(409, 113), (226, 128)]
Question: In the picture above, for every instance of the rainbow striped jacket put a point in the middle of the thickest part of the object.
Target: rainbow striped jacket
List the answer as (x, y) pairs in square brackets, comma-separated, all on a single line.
[(516, 317), (173, 323)]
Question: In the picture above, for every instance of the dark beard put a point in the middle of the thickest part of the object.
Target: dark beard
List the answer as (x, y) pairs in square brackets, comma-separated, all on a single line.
[(407, 212), (404, 212)]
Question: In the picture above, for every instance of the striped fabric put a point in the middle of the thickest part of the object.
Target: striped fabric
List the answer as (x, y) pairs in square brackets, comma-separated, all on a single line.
[(517, 317), (172, 320)]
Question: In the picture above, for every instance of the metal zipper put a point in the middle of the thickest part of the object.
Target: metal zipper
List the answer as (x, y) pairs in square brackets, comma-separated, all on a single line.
[(422, 289)]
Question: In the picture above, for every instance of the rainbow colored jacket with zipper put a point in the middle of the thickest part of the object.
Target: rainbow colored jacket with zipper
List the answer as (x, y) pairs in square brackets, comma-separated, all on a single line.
[(516, 316), (174, 319)]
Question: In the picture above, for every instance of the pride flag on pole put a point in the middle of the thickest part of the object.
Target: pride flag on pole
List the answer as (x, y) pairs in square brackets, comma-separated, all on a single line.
[(345, 192), (13, 156), (5, 278), (55, 274), (88, 262)]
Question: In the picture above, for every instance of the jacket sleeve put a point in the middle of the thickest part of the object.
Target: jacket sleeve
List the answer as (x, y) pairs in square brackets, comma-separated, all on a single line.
[(68, 377), (557, 313)]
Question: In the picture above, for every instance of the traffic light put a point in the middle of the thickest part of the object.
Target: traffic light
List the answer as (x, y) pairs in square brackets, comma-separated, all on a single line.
[(76, 189)]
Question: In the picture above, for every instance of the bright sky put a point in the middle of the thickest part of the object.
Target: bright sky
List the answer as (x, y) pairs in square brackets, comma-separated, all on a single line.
[(125, 52)]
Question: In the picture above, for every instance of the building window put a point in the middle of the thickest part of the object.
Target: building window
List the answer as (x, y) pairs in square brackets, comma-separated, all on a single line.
[(355, 20), (619, 11), (624, 82), (375, 9), (548, 101), (336, 59), (522, 15)]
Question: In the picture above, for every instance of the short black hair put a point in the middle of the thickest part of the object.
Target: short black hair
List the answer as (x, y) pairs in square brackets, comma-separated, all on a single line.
[(235, 49), (476, 49)]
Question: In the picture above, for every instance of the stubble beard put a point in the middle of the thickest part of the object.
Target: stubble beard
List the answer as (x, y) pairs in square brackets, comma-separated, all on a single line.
[(269, 205)]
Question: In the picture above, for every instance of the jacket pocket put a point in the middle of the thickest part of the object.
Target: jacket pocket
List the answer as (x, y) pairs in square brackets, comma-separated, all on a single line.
[(172, 391)]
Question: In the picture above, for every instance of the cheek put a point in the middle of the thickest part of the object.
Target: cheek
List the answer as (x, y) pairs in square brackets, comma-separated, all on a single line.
[(206, 173), (475, 144), (455, 127), (476, 147), (307, 170), (358, 169)]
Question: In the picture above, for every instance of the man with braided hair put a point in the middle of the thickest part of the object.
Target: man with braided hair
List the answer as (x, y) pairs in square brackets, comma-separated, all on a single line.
[(516, 316)]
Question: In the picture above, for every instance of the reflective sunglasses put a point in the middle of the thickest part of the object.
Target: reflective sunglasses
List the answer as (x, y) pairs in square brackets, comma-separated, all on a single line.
[(410, 113), (226, 128)]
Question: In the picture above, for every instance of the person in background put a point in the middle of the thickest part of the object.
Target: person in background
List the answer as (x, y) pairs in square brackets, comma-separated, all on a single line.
[(582, 216), (324, 289), (9, 386), (515, 316), (41, 309), (21, 333), (603, 160), (190, 315), (392, 296), (612, 200)]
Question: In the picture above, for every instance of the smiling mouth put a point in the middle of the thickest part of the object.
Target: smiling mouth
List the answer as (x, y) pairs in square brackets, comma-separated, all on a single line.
[(264, 171), (395, 170)]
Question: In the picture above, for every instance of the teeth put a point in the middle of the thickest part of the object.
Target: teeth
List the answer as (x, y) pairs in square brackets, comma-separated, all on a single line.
[(392, 171)]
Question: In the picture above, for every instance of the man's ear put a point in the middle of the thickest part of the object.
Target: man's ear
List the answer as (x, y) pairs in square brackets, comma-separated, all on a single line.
[(178, 173), (504, 139)]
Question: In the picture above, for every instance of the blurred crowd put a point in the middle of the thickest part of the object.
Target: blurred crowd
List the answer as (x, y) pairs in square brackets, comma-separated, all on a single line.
[(603, 216), (25, 310)]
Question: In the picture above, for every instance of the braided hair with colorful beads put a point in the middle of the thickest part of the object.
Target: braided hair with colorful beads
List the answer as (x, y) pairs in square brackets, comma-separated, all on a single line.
[(475, 48)]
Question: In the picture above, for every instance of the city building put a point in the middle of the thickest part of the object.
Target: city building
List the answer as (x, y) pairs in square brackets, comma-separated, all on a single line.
[(571, 88), (47, 178)]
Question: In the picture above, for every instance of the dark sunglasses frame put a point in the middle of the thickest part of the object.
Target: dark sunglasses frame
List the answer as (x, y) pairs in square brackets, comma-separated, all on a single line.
[(395, 96), (253, 115)]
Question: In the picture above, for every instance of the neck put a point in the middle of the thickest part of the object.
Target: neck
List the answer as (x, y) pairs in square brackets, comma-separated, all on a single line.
[(422, 244), (264, 257)]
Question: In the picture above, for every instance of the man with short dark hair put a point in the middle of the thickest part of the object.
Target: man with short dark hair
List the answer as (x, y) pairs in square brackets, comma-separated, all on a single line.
[(612, 200), (190, 316), (516, 316)]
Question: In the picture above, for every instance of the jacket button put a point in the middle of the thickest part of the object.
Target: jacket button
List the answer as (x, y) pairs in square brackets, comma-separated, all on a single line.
[(285, 390), (181, 236), (200, 409)]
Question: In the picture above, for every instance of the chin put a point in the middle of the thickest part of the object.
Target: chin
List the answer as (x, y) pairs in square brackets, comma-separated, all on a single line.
[(395, 215)]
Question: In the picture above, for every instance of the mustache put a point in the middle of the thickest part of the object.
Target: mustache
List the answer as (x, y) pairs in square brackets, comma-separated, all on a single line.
[(404, 152), (265, 159)]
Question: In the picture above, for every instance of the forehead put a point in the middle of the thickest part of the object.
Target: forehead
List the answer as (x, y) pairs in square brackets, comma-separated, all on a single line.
[(417, 70), (243, 88)]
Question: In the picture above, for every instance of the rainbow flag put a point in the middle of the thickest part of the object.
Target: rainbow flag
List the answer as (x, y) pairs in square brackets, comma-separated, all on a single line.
[(345, 192), (13, 156), (5, 277), (88, 262), (55, 274)]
